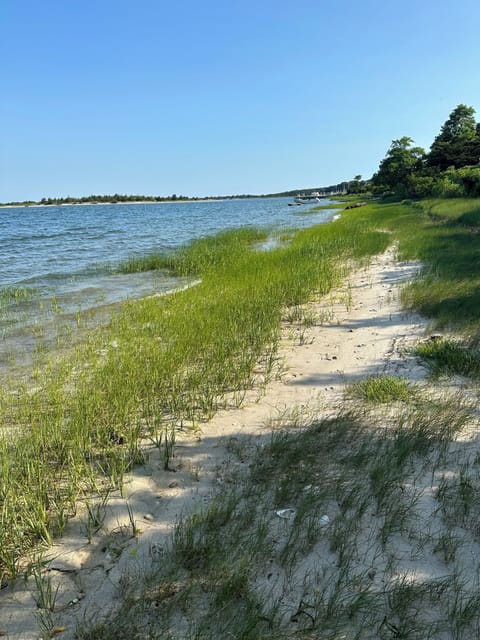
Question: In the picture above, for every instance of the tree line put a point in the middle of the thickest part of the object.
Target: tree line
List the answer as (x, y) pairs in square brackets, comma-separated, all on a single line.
[(451, 168), (116, 197), (124, 198)]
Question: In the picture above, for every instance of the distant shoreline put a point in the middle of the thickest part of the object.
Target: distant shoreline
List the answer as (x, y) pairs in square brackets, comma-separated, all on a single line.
[(91, 200), (96, 204)]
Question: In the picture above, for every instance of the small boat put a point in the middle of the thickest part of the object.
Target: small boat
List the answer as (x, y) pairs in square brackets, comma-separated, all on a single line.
[(307, 198)]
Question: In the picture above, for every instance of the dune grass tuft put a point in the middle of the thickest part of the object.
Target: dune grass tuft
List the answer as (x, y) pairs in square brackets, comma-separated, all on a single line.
[(381, 389), (450, 357)]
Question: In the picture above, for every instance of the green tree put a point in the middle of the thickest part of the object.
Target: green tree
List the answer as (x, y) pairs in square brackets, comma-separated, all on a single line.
[(458, 143), (355, 185), (399, 165)]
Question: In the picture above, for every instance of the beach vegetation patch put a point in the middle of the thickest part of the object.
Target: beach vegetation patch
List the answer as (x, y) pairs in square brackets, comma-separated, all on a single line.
[(447, 286), (306, 540), (160, 364), (446, 357), (199, 255), (382, 389), (12, 295)]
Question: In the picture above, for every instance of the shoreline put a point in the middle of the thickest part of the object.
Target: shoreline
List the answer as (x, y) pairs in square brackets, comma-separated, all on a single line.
[(166, 201), (99, 204), (317, 368)]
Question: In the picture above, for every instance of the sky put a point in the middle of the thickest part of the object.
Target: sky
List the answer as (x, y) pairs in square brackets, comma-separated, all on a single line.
[(222, 96)]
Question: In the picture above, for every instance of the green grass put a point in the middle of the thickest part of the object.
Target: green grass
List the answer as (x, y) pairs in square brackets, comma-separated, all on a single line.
[(381, 389), (161, 364), (453, 209), (11, 295), (200, 256), (339, 204), (471, 218), (369, 477), (149, 262), (449, 357), (432, 232)]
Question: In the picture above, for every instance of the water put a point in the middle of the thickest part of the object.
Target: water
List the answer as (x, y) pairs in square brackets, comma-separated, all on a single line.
[(60, 259)]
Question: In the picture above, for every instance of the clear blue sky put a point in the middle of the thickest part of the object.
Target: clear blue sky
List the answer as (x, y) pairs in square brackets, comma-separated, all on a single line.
[(222, 96)]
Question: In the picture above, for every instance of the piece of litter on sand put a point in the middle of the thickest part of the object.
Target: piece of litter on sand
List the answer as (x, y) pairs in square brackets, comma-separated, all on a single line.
[(286, 514), (324, 520)]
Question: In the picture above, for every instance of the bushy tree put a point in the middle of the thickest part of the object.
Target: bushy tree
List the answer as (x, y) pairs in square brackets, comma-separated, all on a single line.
[(357, 185), (450, 169), (458, 143), (398, 167), (469, 178), (420, 186)]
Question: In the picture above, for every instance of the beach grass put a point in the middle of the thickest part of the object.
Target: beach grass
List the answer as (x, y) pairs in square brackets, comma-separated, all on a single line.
[(10, 295), (161, 364), (434, 233), (446, 357), (381, 389), (199, 256), (460, 210), (338, 496)]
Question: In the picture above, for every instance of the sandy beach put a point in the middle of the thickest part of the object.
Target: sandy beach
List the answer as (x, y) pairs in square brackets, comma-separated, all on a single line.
[(360, 330)]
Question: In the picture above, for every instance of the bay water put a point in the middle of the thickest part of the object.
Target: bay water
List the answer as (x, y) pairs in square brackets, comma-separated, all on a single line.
[(58, 261)]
